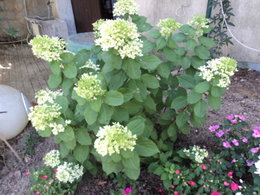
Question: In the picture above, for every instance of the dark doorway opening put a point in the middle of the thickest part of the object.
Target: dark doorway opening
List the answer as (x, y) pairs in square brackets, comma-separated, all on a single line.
[(87, 12)]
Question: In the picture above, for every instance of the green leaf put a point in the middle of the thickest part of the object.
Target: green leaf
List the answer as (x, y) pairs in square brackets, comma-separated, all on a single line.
[(217, 91), (64, 151), (214, 102), (81, 153), (111, 59), (132, 68), (200, 108), (148, 46), (105, 114), (117, 79), (114, 98), (169, 54), (67, 84), (197, 121), (63, 102), (150, 105), (154, 34), (161, 43), (171, 44), (120, 115), (150, 81), (109, 166), (188, 29), (133, 107), (186, 81), (150, 62), (81, 57), (137, 126), (164, 70), (202, 87), (54, 81), (126, 154), (95, 105), (179, 37), (185, 62), (90, 115), (67, 57), (180, 51), (190, 44), (179, 102), (193, 97), (202, 52), (55, 67), (172, 132), (83, 137), (146, 147), (185, 129), (116, 158), (132, 166), (70, 71), (128, 93), (181, 119), (197, 62), (71, 144), (208, 42), (67, 135)]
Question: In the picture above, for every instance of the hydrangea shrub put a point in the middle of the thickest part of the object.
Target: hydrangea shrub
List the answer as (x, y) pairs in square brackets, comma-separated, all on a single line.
[(125, 100)]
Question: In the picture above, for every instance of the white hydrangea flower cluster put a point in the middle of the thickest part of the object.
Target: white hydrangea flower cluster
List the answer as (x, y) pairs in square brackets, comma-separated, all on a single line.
[(90, 65), (168, 26), (120, 35), (52, 158), (44, 96), (43, 115), (88, 87), (69, 172), (199, 22), (47, 48), (96, 26), (123, 7), (257, 166), (222, 68), (112, 139), (196, 153)]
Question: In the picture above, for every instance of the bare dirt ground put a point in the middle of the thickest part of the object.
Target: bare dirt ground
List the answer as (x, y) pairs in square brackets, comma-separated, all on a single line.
[(243, 97)]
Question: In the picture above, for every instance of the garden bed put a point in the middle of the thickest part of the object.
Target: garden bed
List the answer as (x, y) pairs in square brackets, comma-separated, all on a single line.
[(241, 98)]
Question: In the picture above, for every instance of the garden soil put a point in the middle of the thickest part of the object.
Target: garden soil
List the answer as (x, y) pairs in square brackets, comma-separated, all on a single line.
[(243, 97)]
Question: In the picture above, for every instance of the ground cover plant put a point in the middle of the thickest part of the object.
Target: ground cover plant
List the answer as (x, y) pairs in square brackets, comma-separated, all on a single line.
[(122, 103)]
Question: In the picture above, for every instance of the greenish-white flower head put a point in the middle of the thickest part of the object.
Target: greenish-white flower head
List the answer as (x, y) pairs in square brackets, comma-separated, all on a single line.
[(91, 65), (222, 68), (168, 26), (112, 139), (69, 172), (120, 35), (43, 115), (196, 153), (199, 22), (44, 96), (89, 87), (96, 26), (52, 158), (123, 7), (47, 48)]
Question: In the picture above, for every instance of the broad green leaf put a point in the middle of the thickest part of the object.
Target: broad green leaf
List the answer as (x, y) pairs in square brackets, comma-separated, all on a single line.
[(150, 62), (105, 114), (110, 167), (70, 71), (150, 81), (217, 91), (150, 105), (171, 44), (154, 34), (90, 115), (83, 137), (63, 102), (137, 126), (200, 108), (172, 132), (164, 70), (116, 157), (114, 98), (120, 115), (197, 62), (54, 81), (169, 54), (197, 121), (179, 102), (126, 154), (185, 62), (81, 57), (208, 42), (64, 151), (189, 30), (117, 79), (66, 86), (81, 153), (146, 147), (202, 52), (193, 97), (185, 129), (179, 37), (46, 133), (191, 44), (186, 81), (161, 43), (181, 119), (180, 51), (128, 93), (67, 135), (132, 68), (114, 60), (202, 87), (55, 67), (95, 105), (133, 107), (132, 167), (148, 46), (67, 57), (71, 144), (214, 102)]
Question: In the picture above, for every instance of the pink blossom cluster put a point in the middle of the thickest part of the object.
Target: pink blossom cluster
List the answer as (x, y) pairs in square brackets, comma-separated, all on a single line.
[(256, 132), (234, 118)]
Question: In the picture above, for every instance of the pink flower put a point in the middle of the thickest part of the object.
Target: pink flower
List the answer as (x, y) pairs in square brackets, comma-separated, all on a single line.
[(256, 132), (226, 144), (234, 186), (234, 161), (172, 186), (51, 181), (215, 193), (254, 150), (55, 170), (226, 183), (176, 193), (192, 183), (233, 121), (230, 117), (242, 117), (203, 167), (44, 177), (127, 191), (37, 192), (235, 142), (245, 140), (27, 173), (178, 172), (220, 133), (213, 128), (249, 163), (230, 174)]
